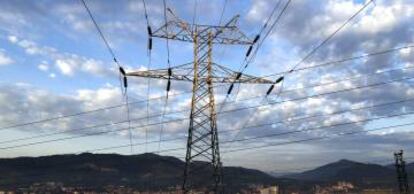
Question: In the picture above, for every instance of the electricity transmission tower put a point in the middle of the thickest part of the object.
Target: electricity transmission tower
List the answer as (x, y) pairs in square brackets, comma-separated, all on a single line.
[(203, 155), (401, 173)]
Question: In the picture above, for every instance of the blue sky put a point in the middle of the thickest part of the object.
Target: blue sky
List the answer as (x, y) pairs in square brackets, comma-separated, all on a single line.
[(53, 62)]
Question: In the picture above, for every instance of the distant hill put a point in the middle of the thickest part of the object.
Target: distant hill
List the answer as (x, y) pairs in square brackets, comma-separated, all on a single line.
[(149, 171), (346, 170)]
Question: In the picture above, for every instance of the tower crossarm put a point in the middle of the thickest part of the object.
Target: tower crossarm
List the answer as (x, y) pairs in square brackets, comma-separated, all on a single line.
[(185, 72), (177, 29), (180, 73)]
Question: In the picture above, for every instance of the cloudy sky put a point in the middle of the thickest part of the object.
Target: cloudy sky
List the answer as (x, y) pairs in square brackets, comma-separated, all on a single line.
[(53, 63)]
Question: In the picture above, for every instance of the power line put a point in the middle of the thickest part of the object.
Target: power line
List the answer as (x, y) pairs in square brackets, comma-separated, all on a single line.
[(237, 109), (267, 34), (129, 121), (100, 33), (246, 61), (108, 47), (335, 62), (318, 95), (149, 48), (222, 12), (300, 141), (137, 119), (156, 98), (331, 36), (303, 140), (121, 70), (187, 92), (289, 120), (283, 143), (169, 73), (272, 135), (292, 142), (317, 138), (320, 127), (282, 78), (87, 112)]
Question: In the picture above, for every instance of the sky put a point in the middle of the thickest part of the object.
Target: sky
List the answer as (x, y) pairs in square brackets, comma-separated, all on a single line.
[(53, 62)]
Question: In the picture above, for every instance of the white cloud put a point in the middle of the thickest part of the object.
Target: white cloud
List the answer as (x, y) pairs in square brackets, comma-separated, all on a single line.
[(258, 10), (12, 39), (43, 67), (4, 59), (67, 63), (299, 32), (66, 67)]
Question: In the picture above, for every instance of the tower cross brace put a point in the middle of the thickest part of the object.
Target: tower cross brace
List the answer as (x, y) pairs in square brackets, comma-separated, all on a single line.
[(202, 156)]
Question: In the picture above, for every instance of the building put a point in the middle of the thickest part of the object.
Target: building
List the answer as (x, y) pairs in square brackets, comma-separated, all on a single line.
[(270, 190)]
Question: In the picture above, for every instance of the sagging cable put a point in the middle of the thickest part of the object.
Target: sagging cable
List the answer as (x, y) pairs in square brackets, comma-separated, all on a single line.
[(127, 109)]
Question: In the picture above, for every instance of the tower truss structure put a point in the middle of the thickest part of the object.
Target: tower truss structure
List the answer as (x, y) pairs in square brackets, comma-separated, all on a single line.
[(203, 154)]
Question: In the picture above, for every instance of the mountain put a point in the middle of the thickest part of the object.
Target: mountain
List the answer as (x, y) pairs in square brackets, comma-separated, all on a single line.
[(147, 171), (346, 170)]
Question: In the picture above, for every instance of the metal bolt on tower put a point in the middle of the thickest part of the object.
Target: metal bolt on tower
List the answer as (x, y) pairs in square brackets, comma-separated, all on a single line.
[(203, 155)]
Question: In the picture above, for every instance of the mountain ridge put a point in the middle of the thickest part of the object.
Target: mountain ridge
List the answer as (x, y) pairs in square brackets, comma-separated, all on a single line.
[(150, 171), (346, 170)]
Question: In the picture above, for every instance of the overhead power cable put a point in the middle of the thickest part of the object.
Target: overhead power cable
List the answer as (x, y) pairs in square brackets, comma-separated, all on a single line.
[(324, 84), (87, 112), (222, 12), (122, 76), (97, 133), (251, 59), (247, 60), (320, 127), (108, 47), (285, 121), (331, 36), (100, 33), (157, 98), (240, 149), (313, 51), (316, 138), (257, 38), (282, 78), (149, 49), (187, 92), (237, 149), (339, 61), (169, 72)]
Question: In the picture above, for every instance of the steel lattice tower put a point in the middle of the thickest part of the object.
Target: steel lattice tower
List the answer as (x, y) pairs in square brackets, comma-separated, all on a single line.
[(401, 173), (203, 155)]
